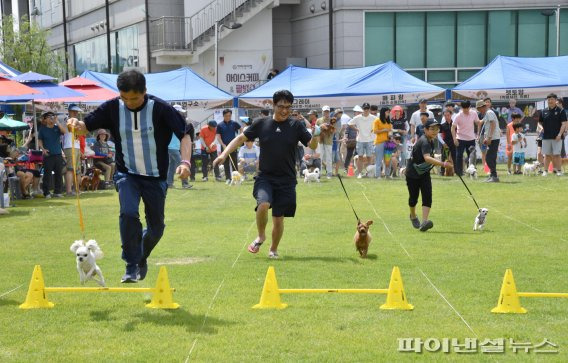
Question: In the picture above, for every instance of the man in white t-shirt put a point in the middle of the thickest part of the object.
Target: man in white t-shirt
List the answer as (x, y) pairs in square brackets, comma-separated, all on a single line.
[(415, 118), (249, 156), (364, 125)]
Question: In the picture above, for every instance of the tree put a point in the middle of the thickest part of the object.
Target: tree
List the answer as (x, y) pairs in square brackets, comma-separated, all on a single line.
[(27, 49)]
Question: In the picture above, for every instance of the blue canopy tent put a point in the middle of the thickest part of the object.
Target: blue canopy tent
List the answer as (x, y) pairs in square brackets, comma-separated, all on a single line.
[(382, 84), (519, 78), (180, 85), (7, 70)]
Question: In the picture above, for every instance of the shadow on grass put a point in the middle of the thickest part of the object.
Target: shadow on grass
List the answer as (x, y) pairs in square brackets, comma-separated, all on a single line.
[(324, 259), (6, 302), (452, 232), (168, 318), (15, 212)]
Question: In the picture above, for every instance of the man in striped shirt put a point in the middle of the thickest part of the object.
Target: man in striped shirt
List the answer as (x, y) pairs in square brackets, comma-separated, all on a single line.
[(142, 126)]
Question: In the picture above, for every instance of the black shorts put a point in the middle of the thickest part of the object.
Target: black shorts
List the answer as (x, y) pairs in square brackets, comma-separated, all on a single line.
[(281, 194)]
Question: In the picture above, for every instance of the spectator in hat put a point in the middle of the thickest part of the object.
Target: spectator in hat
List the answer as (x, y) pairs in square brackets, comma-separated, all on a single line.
[(415, 119), (209, 149), (226, 132), (328, 129), (101, 148), (364, 125), (72, 151), (418, 175), (400, 125), (49, 139), (490, 137), (553, 121), (312, 117), (141, 126), (339, 148), (463, 133)]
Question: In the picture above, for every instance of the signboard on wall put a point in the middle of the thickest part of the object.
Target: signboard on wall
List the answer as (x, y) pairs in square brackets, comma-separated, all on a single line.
[(241, 72)]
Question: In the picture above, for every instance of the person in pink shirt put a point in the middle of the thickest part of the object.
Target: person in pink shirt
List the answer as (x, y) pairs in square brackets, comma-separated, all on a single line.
[(463, 133)]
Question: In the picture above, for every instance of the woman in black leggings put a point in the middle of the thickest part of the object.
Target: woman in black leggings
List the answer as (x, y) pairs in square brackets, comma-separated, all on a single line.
[(418, 174)]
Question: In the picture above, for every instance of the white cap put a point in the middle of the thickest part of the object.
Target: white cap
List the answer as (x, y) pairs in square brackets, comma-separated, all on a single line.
[(357, 108), (325, 108), (178, 108)]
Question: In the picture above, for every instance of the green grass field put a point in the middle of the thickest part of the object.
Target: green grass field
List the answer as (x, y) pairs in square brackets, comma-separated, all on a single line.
[(452, 275)]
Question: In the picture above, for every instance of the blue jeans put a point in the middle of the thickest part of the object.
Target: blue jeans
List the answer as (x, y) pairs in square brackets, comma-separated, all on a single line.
[(175, 160), (137, 244), (379, 154)]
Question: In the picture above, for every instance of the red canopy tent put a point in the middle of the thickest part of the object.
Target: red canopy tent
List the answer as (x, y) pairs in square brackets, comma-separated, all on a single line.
[(13, 88), (91, 89)]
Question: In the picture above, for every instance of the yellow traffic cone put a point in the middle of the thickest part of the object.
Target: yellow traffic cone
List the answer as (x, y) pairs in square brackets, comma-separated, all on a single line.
[(508, 298), (270, 297), (162, 298), (36, 299), (396, 298)]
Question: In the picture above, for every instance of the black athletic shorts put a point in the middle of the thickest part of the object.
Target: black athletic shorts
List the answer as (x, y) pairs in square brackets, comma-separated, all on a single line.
[(281, 194)]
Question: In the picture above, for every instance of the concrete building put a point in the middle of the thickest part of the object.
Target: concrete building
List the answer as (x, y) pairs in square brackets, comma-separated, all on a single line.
[(441, 41)]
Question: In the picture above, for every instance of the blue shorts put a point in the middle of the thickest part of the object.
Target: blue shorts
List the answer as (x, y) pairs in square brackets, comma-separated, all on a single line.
[(336, 156), (519, 158), (365, 148), (281, 195)]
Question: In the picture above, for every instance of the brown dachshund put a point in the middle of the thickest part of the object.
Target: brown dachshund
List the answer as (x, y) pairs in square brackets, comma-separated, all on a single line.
[(363, 238)]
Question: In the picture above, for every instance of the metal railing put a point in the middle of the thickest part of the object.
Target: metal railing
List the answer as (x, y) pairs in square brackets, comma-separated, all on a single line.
[(182, 33)]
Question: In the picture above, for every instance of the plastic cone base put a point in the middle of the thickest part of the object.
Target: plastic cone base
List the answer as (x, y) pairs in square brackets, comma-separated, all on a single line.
[(509, 302), (270, 297), (36, 298), (350, 171), (396, 298), (162, 297)]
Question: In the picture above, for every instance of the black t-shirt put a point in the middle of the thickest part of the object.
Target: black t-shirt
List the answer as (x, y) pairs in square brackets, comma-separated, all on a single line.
[(421, 147), (278, 141), (446, 132), (399, 124), (551, 120)]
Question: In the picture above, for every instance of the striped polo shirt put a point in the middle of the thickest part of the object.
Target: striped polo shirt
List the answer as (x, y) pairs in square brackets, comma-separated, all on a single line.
[(141, 136)]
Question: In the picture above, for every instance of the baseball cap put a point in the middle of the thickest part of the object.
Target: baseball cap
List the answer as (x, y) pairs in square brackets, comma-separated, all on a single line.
[(74, 107), (365, 105), (312, 112), (431, 122), (325, 108), (48, 114), (479, 103), (357, 108), (338, 110), (179, 108), (422, 100), (212, 123)]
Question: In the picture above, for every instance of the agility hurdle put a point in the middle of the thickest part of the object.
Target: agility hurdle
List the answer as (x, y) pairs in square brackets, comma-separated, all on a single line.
[(396, 298), (509, 302), (36, 298)]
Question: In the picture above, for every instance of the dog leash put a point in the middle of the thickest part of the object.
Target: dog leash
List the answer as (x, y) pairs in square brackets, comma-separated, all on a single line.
[(73, 158), (465, 185), (344, 190)]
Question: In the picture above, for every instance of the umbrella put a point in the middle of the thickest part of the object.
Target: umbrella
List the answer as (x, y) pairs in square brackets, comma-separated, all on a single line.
[(12, 88), (93, 93), (6, 69), (7, 124), (32, 77)]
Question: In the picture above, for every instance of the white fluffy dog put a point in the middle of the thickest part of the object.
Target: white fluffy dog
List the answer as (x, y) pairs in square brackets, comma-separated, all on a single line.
[(480, 219), (236, 178), (531, 168), (471, 171), (87, 254), (313, 176)]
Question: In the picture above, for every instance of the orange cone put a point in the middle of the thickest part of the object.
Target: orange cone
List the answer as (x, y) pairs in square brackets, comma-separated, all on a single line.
[(350, 171), (550, 167), (486, 168)]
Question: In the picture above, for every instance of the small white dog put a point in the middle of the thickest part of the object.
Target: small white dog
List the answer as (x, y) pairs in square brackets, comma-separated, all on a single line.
[(87, 254), (236, 178), (531, 168), (480, 219), (313, 176), (471, 171)]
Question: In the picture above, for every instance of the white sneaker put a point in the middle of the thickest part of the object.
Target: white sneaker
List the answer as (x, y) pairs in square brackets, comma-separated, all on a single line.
[(273, 255), (544, 173), (359, 176), (228, 182), (328, 177), (559, 173)]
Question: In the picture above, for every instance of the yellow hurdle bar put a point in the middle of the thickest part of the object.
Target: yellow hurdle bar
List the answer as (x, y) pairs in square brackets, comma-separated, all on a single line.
[(339, 291), (542, 294), (101, 289)]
